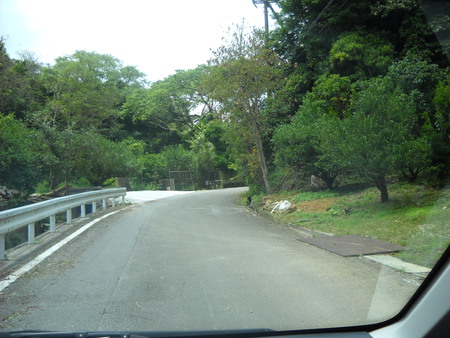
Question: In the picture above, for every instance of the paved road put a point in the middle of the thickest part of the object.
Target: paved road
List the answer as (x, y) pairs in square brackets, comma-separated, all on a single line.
[(151, 195), (197, 261)]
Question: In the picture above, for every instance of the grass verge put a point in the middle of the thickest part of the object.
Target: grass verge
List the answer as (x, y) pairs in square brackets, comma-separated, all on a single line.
[(416, 216)]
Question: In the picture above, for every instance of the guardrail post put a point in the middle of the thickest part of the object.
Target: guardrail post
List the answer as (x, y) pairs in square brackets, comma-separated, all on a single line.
[(83, 210), (52, 223), (2, 247), (123, 199), (114, 202), (69, 216), (31, 233), (104, 202), (94, 207)]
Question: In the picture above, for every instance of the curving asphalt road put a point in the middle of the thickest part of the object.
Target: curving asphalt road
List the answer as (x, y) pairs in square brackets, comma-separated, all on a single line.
[(197, 261)]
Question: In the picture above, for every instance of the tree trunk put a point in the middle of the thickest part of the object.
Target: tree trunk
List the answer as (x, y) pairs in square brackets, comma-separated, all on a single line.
[(412, 175), (329, 180), (56, 192), (261, 157), (51, 180), (66, 182), (380, 183), (66, 186)]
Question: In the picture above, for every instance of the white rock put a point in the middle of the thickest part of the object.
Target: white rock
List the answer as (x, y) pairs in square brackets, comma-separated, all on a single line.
[(281, 206)]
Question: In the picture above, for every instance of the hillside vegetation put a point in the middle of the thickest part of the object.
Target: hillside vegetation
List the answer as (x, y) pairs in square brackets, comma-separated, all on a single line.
[(417, 217)]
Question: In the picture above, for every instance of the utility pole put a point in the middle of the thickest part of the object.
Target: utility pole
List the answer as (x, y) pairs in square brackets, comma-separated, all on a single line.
[(266, 17), (267, 5)]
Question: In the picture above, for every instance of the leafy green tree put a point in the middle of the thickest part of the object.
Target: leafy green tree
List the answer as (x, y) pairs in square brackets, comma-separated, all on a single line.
[(86, 90), (298, 145), (214, 132), (204, 157), (19, 165), (65, 159), (243, 157), (416, 155), (299, 80), (411, 31), (172, 105), (154, 137), (417, 77), (241, 75), (73, 154), (105, 159), (371, 142), (308, 27), (6, 80), (21, 88), (439, 135), (441, 103), (333, 93), (29, 91), (167, 112), (155, 168), (361, 55), (364, 36), (178, 158)]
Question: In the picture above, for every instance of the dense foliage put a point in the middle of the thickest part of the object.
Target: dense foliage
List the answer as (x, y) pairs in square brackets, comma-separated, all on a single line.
[(341, 91), (364, 78)]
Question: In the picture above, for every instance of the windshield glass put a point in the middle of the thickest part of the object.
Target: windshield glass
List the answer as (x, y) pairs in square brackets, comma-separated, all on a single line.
[(220, 165)]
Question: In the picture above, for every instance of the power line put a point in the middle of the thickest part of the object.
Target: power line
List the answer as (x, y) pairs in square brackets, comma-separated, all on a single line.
[(337, 11), (318, 17), (311, 26)]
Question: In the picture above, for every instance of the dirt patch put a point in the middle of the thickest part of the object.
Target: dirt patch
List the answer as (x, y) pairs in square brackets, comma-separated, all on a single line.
[(321, 205)]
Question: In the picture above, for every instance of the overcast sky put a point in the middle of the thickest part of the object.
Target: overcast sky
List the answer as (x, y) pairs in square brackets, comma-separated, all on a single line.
[(156, 36)]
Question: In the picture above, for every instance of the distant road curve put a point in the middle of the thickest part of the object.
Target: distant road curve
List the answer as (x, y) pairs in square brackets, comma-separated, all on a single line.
[(151, 195)]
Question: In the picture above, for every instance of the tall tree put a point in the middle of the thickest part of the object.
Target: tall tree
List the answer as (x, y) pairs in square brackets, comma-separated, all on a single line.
[(371, 142), (5, 79), (21, 89), (243, 73), (168, 103), (299, 144), (361, 55), (19, 168), (86, 90), (167, 109)]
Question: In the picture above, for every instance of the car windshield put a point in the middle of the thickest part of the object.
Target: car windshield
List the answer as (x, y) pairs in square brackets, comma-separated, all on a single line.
[(220, 165)]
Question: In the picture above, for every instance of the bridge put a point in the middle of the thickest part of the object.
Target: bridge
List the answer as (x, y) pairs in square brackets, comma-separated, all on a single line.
[(189, 262)]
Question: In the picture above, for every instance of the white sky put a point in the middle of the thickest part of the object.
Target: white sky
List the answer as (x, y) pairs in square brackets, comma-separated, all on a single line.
[(156, 36)]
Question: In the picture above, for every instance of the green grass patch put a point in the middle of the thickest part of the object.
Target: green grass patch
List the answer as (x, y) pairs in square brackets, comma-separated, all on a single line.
[(310, 196), (416, 217)]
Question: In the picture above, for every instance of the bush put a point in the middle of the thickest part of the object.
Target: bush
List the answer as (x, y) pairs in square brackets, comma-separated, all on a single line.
[(18, 161)]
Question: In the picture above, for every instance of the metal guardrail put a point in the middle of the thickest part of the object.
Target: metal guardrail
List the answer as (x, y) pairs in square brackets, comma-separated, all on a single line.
[(17, 218)]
